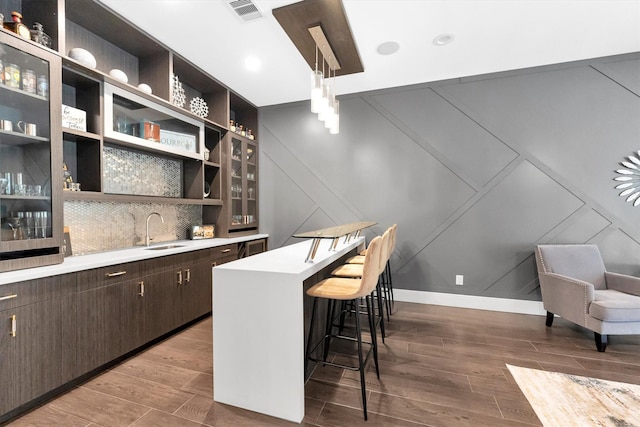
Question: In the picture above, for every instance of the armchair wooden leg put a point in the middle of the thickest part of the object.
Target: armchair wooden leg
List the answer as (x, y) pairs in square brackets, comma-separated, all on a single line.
[(550, 316), (601, 342)]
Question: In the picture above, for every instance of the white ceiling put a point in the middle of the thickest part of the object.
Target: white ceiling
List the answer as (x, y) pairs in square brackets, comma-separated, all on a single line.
[(490, 36)]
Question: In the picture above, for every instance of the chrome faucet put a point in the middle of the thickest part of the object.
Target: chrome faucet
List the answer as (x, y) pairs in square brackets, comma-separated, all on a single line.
[(147, 239)]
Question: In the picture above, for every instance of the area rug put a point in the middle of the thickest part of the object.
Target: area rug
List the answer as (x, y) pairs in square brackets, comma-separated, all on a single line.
[(570, 400)]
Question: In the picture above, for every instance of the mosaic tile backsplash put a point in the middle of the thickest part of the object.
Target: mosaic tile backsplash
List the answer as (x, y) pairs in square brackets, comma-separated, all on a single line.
[(103, 226), (131, 172)]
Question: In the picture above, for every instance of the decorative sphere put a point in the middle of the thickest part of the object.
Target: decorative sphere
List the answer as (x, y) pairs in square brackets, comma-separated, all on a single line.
[(145, 88), (119, 75), (83, 56)]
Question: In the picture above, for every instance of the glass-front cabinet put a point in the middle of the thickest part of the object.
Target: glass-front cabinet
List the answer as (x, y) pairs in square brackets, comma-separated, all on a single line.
[(30, 157), (244, 183), (131, 118)]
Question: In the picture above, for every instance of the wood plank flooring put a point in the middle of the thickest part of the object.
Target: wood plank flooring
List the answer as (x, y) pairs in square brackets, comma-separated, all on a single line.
[(439, 366)]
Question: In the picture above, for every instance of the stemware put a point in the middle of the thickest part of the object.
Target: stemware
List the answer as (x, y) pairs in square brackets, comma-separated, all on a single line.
[(14, 223)]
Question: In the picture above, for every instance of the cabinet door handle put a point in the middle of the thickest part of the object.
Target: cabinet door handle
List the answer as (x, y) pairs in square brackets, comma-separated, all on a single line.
[(141, 293), (117, 273), (179, 274), (13, 325), (224, 251), (8, 297), (188, 278)]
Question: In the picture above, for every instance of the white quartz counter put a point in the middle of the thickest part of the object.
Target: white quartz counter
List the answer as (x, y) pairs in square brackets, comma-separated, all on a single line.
[(258, 327), (103, 259)]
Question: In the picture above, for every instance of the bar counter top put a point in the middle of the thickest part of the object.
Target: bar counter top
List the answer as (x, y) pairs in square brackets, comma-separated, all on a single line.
[(103, 259)]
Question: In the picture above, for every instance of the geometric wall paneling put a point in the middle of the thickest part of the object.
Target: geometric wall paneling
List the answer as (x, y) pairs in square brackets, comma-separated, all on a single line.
[(625, 72), (620, 252), (495, 234), (580, 227), (520, 281), (551, 140), (465, 147), (318, 219), (381, 173), (282, 191), (564, 118), (281, 143)]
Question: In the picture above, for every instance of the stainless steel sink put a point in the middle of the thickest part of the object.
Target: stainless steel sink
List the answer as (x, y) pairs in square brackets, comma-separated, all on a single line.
[(163, 247)]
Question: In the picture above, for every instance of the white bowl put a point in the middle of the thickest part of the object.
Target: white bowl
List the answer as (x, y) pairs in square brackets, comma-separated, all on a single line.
[(145, 88), (83, 56), (119, 75)]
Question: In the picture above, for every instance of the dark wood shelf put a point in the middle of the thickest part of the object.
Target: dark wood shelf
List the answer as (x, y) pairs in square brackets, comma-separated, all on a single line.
[(129, 198), (81, 134)]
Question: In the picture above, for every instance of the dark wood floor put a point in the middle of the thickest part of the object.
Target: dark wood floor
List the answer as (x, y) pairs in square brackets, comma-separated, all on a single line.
[(440, 366)]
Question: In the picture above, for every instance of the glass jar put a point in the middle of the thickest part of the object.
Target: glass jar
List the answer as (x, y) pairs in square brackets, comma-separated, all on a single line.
[(29, 81), (42, 85), (12, 76)]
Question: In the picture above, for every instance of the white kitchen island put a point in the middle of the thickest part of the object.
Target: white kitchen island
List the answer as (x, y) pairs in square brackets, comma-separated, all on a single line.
[(258, 326)]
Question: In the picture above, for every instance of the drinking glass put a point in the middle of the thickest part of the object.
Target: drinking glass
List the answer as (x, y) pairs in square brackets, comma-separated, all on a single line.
[(14, 223), (41, 224)]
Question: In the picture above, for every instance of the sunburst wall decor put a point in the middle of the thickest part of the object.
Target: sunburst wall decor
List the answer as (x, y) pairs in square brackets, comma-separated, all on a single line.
[(630, 179)]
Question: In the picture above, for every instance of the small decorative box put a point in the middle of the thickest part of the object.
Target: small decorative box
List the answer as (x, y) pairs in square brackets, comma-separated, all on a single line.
[(202, 232), (72, 118)]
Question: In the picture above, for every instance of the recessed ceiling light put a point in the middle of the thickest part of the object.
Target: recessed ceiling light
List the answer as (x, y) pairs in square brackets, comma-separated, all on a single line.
[(443, 39), (252, 63), (388, 48)]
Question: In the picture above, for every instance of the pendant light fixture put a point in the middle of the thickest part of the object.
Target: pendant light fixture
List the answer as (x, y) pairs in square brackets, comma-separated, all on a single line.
[(322, 25), (323, 95)]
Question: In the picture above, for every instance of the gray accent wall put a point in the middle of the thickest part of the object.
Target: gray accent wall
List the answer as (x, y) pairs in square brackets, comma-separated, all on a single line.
[(474, 171)]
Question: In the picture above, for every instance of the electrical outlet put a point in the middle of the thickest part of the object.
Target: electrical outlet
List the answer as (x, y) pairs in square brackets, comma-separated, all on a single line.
[(459, 279)]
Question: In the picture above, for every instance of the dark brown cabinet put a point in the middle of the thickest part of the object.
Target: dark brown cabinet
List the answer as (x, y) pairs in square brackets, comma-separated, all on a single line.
[(109, 315), (54, 330), (36, 348)]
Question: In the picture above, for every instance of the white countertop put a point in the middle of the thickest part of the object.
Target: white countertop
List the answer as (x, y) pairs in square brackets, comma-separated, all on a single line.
[(291, 259), (103, 259)]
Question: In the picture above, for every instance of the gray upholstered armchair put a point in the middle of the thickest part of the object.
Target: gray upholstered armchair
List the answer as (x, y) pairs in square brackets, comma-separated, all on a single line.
[(576, 286)]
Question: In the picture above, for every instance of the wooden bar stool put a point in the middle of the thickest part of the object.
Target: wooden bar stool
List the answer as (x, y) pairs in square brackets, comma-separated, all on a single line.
[(355, 271), (335, 290)]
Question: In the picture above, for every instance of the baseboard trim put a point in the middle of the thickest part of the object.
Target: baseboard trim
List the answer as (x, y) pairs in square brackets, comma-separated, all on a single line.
[(471, 301)]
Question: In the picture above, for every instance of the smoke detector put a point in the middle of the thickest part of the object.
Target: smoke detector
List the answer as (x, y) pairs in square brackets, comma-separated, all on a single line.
[(245, 9)]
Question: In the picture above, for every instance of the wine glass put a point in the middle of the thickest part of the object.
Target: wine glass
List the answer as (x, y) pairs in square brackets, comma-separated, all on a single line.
[(14, 223)]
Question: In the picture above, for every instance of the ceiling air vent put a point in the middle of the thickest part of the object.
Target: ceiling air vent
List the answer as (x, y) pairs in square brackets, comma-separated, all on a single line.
[(245, 9)]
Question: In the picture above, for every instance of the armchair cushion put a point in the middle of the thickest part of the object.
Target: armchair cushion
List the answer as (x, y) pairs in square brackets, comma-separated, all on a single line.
[(623, 283), (613, 306)]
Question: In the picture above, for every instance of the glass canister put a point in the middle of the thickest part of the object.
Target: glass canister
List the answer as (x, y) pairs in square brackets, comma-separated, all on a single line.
[(29, 81), (12, 75), (42, 85)]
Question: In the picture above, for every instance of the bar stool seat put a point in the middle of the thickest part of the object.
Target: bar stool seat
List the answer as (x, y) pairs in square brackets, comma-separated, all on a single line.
[(348, 270), (335, 289), (356, 259)]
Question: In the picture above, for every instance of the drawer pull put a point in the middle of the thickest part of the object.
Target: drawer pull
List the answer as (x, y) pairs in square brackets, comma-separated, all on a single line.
[(224, 251), (179, 274), (141, 293), (117, 273), (13, 325), (188, 278), (8, 297)]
